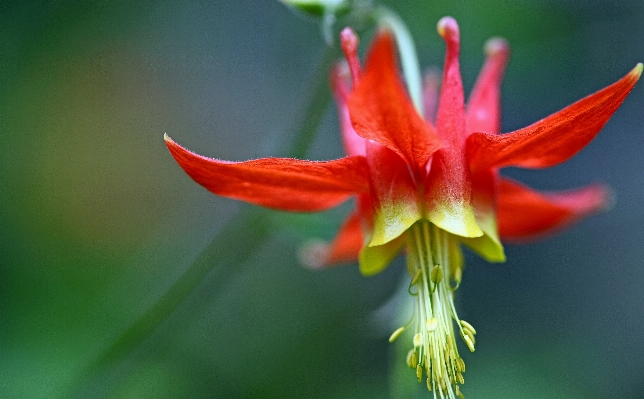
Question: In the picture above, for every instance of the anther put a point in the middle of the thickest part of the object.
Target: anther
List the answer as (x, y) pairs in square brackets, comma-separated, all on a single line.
[(431, 324), (461, 365), (458, 393), (349, 44), (412, 359), (470, 335), (468, 326), (458, 275), (416, 277), (418, 340), (396, 334), (437, 274), (419, 373), (429, 384), (468, 341)]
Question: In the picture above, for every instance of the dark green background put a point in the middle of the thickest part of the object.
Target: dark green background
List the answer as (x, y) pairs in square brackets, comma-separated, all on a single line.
[(97, 221)]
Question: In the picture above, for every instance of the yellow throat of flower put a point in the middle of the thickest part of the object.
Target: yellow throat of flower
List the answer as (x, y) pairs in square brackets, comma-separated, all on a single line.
[(435, 264)]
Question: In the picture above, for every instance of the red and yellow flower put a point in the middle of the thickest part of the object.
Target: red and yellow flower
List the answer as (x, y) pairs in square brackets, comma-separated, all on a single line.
[(423, 185)]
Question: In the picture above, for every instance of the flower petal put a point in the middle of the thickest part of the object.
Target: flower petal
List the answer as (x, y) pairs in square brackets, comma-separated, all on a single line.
[(448, 197), (353, 144), (381, 110), (555, 138), (431, 88), (373, 260), (525, 214), (488, 246), (484, 104), (394, 194), (449, 192), (450, 120), (279, 183)]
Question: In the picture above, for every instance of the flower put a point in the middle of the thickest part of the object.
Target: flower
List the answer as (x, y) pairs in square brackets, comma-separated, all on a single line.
[(424, 186)]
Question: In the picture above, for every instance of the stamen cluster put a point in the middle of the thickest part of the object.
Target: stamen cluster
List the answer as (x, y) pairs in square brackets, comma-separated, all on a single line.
[(434, 279)]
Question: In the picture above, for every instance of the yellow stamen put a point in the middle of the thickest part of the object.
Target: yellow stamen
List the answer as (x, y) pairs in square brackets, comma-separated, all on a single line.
[(468, 326), (396, 334)]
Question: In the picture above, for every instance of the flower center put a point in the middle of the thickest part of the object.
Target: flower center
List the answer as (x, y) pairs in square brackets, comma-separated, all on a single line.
[(435, 277)]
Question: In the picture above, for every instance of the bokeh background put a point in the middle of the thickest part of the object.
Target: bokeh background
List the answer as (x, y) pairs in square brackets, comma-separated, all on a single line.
[(97, 221)]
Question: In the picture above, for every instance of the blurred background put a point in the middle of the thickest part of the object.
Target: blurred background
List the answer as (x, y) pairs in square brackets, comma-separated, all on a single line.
[(97, 221)]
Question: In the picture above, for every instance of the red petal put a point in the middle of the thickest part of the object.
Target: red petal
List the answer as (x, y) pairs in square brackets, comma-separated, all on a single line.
[(450, 120), (394, 194), (431, 87), (448, 194), (353, 144), (381, 110), (484, 104), (525, 214), (280, 183), (555, 138), (484, 194)]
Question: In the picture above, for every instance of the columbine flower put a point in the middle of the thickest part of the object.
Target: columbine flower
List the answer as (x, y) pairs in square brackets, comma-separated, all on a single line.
[(425, 187)]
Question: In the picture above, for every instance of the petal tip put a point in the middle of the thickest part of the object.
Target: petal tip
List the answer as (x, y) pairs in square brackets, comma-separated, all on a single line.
[(496, 47), (447, 28), (348, 40), (349, 43), (637, 71)]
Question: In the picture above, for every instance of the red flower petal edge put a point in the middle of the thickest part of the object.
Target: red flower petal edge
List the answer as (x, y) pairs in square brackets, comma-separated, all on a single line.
[(555, 138), (525, 214), (279, 183), (381, 110)]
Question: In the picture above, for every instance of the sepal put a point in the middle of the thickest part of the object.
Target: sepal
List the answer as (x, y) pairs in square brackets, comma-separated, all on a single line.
[(381, 110), (555, 138), (278, 183), (395, 196), (525, 214)]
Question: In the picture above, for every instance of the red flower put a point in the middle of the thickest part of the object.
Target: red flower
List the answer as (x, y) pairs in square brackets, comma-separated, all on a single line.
[(429, 187)]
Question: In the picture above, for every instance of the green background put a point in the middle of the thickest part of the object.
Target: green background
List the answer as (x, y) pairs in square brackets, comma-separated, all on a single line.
[(97, 221)]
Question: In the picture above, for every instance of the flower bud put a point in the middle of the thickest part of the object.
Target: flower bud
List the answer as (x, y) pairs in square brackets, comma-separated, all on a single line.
[(319, 8)]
